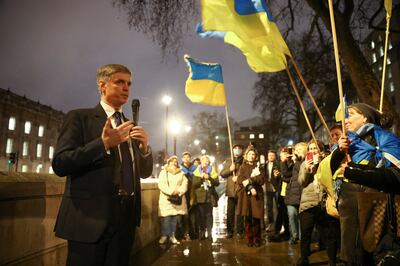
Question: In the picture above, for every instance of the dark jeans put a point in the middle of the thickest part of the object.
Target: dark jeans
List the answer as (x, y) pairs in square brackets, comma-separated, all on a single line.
[(205, 217), (282, 217), (114, 246), (327, 228), (269, 206)]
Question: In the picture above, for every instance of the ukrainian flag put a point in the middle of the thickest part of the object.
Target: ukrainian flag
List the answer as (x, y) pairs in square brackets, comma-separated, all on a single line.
[(205, 84), (247, 25)]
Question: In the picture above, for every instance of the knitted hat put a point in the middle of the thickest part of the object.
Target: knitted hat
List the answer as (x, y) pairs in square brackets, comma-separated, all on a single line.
[(373, 115), (171, 158), (251, 148)]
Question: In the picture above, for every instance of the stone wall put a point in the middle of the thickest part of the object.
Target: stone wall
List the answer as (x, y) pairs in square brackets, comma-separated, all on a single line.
[(28, 209)]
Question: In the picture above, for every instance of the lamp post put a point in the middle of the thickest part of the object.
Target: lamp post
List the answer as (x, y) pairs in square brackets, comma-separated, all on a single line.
[(166, 99), (175, 128)]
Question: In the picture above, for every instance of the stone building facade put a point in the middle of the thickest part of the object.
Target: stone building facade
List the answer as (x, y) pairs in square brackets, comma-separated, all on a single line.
[(28, 129)]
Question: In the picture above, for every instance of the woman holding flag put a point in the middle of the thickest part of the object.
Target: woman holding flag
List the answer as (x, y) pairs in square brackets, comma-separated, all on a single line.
[(368, 157)]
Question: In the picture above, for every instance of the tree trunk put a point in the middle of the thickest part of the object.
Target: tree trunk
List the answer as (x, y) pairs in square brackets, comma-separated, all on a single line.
[(361, 75)]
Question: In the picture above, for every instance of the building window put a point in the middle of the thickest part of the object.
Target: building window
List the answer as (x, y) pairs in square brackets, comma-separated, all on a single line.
[(41, 131), (51, 170), (389, 73), (380, 69), (9, 146), (261, 136), (388, 61), (27, 128), (391, 86), (25, 148), (251, 136), (379, 38), (390, 45), (373, 58), (372, 45), (39, 168), (11, 123), (381, 51), (51, 152), (24, 168), (39, 150), (242, 136)]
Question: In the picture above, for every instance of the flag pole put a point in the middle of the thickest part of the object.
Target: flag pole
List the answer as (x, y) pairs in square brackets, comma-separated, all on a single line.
[(301, 105), (229, 130), (338, 73), (310, 95), (384, 61)]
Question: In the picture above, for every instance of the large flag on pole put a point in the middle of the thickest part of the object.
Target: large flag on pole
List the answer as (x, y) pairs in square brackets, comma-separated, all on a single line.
[(205, 83), (247, 25)]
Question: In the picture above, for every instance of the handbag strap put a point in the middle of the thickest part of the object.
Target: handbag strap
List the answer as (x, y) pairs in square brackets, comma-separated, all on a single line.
[(391, 213)]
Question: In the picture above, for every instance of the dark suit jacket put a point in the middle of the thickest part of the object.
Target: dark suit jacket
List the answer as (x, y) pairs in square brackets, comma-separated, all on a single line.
[(90, 193), (271, 181)]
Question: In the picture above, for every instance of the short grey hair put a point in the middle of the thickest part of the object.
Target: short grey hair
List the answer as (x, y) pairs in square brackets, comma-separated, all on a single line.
[(106, 71)]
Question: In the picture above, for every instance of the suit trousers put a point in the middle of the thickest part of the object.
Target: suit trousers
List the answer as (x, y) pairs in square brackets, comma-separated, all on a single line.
[(269, 205), (114, 246)]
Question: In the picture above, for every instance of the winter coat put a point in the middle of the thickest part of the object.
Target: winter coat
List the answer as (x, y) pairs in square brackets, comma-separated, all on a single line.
[(202, 188), (227, 174), (168, 181), (293, 189), (249, 205), (311, 195)]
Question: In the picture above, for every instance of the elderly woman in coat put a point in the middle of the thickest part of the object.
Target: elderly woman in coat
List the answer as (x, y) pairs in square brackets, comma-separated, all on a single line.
[(172, 181), (251, 197), (205, 179)]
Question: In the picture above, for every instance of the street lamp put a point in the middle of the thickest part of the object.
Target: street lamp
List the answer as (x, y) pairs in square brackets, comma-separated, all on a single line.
[(166, 99), (175, 128), (196, 142), (203, 151)]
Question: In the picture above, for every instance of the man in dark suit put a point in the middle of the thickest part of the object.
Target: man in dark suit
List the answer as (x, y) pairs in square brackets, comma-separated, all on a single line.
[(103, 156), (271, 185)]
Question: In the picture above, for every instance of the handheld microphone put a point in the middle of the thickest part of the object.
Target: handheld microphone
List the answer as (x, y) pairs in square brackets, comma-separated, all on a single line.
[(135, 111)]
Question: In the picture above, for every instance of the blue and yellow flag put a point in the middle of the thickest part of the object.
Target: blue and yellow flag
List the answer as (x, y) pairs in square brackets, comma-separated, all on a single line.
[(205, 83), (247, 25)]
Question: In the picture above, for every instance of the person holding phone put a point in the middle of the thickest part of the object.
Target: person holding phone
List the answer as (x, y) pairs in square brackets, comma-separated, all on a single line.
[(272, 180), (103, 156), (311, 210)]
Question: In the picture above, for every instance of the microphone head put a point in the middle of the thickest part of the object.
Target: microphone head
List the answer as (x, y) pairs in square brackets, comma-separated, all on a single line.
[(135, 111), (135, 102)]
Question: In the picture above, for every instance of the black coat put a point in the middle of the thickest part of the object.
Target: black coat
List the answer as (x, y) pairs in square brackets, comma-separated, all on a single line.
[(90, 194)]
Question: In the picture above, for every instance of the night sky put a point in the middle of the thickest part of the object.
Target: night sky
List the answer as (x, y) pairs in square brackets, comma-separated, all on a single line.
[(50, 50)]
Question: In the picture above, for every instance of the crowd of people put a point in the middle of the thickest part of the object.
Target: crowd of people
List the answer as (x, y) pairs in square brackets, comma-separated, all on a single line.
[(291, 189)]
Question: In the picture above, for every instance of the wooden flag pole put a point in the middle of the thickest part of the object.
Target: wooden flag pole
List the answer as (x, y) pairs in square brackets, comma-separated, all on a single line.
[(384, 62), (229, 129), (339, 75), (310, 95), (301, 105)]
